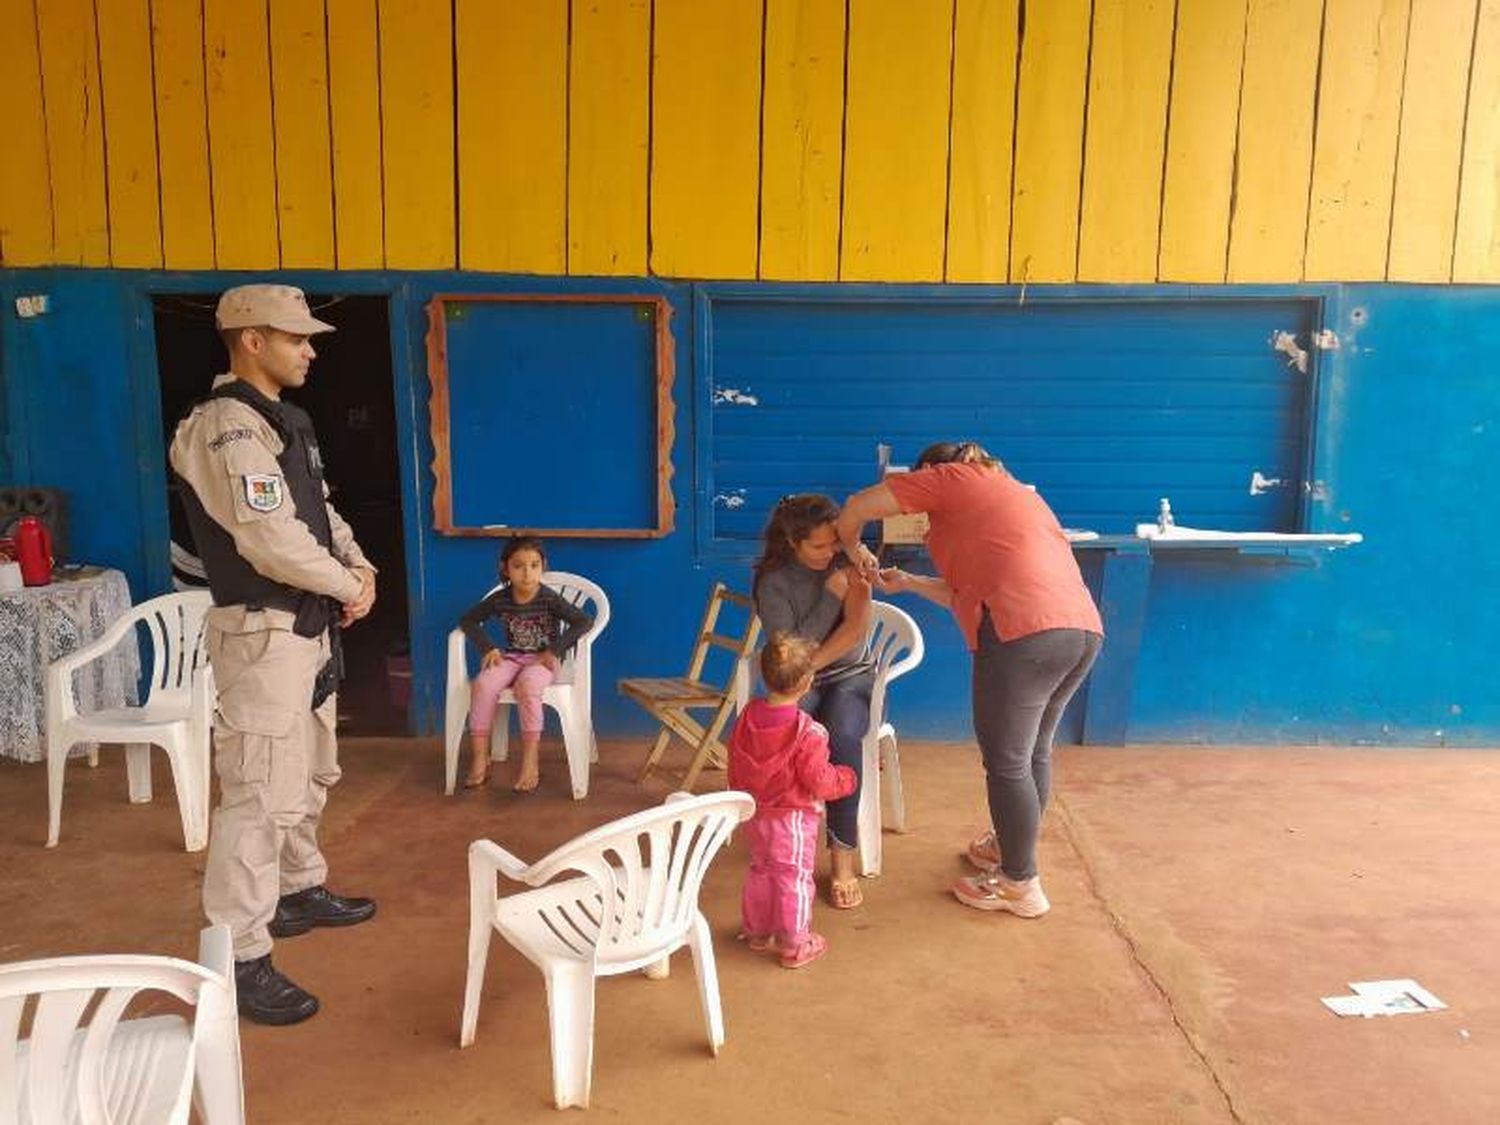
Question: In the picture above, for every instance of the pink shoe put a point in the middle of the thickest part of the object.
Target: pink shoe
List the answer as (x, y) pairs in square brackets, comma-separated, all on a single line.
[(805, 952), (995, 892), (984, 852), (757, 943)]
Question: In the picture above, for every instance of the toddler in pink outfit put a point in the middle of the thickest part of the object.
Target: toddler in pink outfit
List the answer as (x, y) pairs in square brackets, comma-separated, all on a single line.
[(779, 755)]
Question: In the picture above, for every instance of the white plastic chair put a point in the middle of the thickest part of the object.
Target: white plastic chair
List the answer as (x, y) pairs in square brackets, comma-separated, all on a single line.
[(648, 867), (83, 1063), (177, 714), (896, 647), (570, 694)]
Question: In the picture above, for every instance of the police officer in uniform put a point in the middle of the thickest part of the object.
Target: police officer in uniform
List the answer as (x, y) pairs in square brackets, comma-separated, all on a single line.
[(286, 575)]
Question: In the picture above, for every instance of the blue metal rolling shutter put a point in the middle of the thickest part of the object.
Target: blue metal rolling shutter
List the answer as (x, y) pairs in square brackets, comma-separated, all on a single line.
[(1104, 406)]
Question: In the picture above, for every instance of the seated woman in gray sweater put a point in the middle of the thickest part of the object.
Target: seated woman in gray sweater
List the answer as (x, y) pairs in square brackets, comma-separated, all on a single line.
[(799, 589)]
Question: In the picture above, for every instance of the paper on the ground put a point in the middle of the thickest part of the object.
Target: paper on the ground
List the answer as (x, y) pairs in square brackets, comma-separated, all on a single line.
[(1384, 998)]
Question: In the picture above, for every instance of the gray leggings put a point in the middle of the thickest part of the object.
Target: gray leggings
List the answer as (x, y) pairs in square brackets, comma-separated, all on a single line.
[(1020, 690)]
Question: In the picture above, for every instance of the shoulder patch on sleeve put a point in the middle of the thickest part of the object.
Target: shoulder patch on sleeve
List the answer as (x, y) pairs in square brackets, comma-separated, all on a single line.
[(264, 492), (240, 434)]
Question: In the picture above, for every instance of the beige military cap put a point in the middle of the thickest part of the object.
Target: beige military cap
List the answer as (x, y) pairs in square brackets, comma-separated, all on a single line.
[(268, 306)]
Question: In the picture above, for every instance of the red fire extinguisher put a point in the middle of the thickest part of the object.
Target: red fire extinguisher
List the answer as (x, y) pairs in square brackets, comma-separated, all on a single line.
[(34, 551)]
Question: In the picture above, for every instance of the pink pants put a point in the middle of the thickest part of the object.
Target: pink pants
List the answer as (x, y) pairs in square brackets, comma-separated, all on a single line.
[(527, 674), (778, 896)]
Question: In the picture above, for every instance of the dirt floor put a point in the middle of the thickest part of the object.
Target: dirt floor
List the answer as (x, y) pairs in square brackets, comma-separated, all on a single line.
[(1203, 901)]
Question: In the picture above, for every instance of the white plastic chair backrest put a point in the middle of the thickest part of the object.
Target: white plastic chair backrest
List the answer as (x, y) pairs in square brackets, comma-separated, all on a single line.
[(895, 646), (89, 995), (175, 622), (650, 866), (579, 591)]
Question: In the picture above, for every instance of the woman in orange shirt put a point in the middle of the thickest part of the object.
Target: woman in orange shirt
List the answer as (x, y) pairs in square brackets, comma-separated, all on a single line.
[(1009, 576)]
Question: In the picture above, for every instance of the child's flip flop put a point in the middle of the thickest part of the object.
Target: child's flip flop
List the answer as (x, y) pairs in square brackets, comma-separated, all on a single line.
[(757, 943), (805, 952)]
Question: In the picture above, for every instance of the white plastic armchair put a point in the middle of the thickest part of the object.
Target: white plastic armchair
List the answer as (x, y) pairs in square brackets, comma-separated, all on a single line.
[(632, 903), (570, 694), (83, 1062), (895, 645), (177, 714)]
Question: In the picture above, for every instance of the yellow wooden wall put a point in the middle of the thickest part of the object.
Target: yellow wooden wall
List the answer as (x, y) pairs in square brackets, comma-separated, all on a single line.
[(1023, 141)]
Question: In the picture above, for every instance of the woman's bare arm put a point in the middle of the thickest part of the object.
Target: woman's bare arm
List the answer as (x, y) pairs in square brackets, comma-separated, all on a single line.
[(851, 631), (897, 581), (868, 504)]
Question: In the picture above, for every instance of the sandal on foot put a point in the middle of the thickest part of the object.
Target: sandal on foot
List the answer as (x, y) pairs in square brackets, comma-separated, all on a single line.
[(805, 952), (845, 896), (1024, 899), (478, 782), (521, 787), (757, 943), (984, 852)]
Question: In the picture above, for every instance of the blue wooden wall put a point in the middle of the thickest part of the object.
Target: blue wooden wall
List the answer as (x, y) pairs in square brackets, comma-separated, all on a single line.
[(1385, 643)]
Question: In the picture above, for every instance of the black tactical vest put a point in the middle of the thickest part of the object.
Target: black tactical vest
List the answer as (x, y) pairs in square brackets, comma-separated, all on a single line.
[(233, 580)]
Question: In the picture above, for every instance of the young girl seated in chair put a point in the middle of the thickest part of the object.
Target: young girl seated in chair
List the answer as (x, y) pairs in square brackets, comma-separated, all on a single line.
[(540, 626), (779, 755)]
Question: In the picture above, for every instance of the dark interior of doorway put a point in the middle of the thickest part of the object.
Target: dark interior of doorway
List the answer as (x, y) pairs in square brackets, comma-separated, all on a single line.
[(350, 396)]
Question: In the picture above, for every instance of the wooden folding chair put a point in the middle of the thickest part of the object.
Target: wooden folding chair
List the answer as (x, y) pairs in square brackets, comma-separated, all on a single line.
[(671, 699)]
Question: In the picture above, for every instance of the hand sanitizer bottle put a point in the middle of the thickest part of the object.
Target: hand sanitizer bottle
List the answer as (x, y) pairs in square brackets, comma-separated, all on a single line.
[(1164, 518)]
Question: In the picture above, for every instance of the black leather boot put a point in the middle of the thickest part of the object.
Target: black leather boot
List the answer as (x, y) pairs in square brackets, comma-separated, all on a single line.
[(318, 906), (265, 996)]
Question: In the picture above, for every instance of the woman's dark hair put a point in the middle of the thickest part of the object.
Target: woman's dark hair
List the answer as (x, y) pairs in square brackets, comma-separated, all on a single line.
[(956, 452), (792, 521), (786, 661), (522, 543)]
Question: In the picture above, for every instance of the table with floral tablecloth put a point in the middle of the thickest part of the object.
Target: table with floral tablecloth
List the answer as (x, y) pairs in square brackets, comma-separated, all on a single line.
[(40, 623)]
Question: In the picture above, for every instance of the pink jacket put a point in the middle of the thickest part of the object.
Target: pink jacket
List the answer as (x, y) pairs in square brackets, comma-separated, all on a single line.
[(779, 755)]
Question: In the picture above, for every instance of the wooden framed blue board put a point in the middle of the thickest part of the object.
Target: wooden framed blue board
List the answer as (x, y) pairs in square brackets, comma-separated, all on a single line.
[(551, 414)]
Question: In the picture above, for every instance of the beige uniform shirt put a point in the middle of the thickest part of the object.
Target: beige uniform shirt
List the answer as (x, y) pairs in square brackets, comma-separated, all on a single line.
[(226, 450)]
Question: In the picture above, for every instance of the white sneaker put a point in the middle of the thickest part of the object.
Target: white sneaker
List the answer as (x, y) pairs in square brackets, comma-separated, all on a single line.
[(984, 852), (995, 892)]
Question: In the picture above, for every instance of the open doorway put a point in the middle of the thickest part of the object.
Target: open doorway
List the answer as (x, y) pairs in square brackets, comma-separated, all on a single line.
[(350, 395)]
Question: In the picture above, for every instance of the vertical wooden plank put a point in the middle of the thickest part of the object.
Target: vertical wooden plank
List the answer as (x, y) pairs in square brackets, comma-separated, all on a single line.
[(705, 114), (354, 126), (241, 148), (130, 133), (896, 141), (299, 100), (75, 132), (1476, 250), (1200, 140), (1268, 225), (802, 143), (512, 134), (1049, 153), (187, 221), (25, 192), (416, 114), (1354, 163), (609, 123), (983, 122), (1120, 217), (1430, 147)]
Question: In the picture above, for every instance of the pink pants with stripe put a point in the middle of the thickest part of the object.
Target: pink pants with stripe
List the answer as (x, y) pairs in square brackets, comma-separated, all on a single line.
[(529, 677), (778, 896)]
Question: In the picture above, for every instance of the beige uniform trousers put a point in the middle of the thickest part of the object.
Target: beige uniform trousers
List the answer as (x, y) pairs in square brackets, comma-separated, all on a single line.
[(276, 759)]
